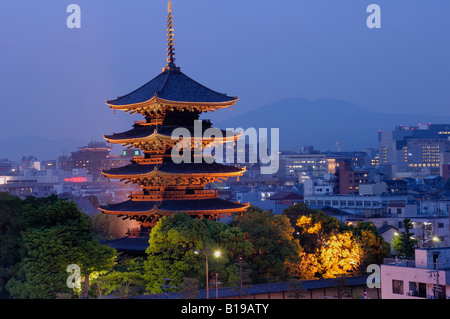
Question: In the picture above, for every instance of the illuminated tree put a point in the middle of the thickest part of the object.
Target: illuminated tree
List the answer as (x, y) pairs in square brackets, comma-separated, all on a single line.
[(339, 255), (328, 252), (373, 246)]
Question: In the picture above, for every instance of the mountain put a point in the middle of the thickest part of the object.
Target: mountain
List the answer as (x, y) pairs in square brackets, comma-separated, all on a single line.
[(322, 123), (42, 148)]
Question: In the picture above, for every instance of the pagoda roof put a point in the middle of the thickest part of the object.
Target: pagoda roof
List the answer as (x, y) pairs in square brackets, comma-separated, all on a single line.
[(135, 169), (172, 85), (173, 206), (144, 131)]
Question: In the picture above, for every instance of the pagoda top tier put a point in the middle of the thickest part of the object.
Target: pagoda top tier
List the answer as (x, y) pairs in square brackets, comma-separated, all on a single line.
[(172, 88)]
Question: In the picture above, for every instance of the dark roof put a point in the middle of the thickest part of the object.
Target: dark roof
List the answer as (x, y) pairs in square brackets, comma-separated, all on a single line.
[(171, 167), (140, 131), (335, 211), (285, 196), (130, 244), (173, 205), (385, 228), (393, 182), (276, 287), (173, 86)]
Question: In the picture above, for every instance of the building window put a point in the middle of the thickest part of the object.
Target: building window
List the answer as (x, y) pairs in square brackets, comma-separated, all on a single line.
[(417, 289), (397, 287)]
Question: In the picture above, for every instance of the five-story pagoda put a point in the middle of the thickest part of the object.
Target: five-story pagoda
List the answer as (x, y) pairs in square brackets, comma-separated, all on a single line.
[(169, 101)]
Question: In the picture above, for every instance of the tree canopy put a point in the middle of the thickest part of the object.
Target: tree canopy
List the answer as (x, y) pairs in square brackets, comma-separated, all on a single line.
[(48, 235)]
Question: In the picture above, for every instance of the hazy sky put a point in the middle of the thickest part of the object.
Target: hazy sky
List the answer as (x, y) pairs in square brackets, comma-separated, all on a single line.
[(55, 80)]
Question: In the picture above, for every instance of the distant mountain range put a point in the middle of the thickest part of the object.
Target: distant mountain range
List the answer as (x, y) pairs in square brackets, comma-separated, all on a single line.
[(323, 123)]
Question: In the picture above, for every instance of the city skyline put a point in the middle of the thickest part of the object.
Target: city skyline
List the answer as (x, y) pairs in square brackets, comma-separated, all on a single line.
[(260, 52), (347, 197)]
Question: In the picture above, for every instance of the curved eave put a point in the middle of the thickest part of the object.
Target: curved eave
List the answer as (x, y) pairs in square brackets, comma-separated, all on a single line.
[(156, 172), (168, 103), (158, 211), (116, 212), (155, 136)]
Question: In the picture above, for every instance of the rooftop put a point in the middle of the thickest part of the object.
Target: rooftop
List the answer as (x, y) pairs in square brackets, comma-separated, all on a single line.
[(175, 86), (171, 167), (206, 205)]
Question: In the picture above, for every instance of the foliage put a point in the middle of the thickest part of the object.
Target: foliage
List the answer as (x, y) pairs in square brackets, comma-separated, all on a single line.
[(314, 229), (174, 242), (275, 251), (373, 247), (189, 288), (331, 249), (328, 251), (42, 236), (404, 244)]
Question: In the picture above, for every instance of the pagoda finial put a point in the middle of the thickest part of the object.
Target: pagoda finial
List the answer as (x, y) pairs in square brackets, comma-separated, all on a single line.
[(170, 44)]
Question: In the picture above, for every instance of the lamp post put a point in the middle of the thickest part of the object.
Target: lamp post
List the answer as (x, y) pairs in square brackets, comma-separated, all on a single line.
[(217, 287), (216, 254)]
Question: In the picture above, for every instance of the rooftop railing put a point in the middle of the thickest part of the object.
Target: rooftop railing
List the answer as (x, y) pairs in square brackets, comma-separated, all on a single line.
[(418, 265)]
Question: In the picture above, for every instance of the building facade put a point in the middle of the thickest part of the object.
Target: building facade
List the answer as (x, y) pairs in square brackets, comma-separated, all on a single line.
[(425, 277), (413, 151)]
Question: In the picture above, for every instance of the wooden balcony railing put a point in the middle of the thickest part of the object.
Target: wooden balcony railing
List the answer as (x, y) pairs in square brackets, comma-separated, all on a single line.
[(152, 122), (173, 195), (158, 159)]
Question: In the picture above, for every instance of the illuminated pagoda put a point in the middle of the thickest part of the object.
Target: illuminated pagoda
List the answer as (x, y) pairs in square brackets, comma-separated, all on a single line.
[(169, 101)]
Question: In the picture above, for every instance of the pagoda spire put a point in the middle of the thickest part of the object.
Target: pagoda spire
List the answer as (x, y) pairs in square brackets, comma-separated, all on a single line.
[(170, 40)]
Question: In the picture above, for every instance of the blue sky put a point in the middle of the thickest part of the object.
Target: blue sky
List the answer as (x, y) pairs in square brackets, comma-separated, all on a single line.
[(55, 80)]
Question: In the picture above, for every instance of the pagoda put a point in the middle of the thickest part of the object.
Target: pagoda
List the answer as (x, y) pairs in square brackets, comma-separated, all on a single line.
[(169, 101)]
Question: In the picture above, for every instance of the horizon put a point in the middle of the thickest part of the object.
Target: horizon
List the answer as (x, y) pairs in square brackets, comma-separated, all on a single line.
[(329, 52)]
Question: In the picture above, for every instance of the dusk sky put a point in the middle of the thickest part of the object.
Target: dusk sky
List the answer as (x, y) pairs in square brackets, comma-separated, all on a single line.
[(55, 80)]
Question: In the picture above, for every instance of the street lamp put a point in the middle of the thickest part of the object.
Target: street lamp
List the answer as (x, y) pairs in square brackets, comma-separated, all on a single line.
[(216, 254)]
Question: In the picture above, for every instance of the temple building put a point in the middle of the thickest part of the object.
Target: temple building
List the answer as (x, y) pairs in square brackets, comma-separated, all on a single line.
[(168, 102)]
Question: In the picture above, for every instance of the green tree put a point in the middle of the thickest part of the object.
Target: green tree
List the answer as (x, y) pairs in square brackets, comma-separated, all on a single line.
[(54, 233), (94, 258), (404, 244), (275, 251), (174, 242)]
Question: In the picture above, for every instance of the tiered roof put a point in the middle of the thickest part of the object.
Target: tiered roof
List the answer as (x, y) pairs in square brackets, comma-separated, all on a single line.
[(169, 101), (172, 86), (167, 207)]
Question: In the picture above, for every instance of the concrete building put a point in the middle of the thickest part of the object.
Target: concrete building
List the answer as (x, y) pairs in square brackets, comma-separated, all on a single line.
[(318, 187), (304, 166), (414, 151), (352, 203), (95, 157), (425, 277), (348, 179)]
